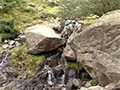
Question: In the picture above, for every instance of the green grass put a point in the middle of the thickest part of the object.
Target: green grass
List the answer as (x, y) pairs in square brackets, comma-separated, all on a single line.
[(90, 19), (94, 82), (0, 38), (27, 15), (74, 64), (31, 63)]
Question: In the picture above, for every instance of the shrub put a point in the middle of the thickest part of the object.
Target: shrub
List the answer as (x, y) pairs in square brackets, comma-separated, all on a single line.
[(7, 29), (7, 5), (72, 9), (28, 9), (69, 9)]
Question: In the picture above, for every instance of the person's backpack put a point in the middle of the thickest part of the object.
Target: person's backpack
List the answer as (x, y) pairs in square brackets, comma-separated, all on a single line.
[(68, 22)]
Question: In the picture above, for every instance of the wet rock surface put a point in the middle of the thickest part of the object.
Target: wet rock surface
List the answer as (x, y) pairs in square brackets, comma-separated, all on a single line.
[(58, 77), (7, 71)]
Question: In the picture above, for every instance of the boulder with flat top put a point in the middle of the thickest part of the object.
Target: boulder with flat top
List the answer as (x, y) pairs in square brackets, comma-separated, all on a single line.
[(41, 38)]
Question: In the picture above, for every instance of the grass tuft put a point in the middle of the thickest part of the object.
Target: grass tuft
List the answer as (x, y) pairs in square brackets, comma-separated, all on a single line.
[(26, 62)]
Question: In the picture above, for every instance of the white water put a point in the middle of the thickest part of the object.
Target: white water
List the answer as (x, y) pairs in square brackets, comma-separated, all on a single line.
[(50, 79), (4, 61), (63, 79), (50, 76)]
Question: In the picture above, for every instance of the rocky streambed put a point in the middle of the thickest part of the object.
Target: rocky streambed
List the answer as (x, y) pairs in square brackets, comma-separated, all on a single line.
[(54, 74)]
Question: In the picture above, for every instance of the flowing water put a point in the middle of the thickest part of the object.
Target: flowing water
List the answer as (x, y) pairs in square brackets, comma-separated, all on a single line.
[(6, 70), (54, 75)]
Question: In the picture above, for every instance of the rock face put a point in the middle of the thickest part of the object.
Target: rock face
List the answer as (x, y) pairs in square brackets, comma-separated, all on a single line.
[(69, 54), (98, 48), (42, 39)]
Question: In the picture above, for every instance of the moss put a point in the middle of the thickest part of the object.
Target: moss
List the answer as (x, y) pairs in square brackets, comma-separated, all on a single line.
[(74, 64), (90, 19), (26, 62), (94, 82)]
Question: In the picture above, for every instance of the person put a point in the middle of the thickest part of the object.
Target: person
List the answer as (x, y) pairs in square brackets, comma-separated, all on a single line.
[(70, 27)]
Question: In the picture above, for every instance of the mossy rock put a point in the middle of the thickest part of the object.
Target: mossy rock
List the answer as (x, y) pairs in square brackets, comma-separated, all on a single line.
[(74, 64)]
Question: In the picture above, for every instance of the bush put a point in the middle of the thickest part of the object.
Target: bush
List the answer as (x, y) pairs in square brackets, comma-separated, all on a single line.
[(7, 29), (69, 9), (28, 9), (99, 7), (7, 5), (72, 9)]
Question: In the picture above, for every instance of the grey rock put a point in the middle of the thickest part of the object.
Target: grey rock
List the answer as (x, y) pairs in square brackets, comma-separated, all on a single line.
[(58, 70), (42, 39), (5, 46), (87, 84), (12, 42), (69, 54), (93, 88), (98, 48), (110, 86), (76, 82)]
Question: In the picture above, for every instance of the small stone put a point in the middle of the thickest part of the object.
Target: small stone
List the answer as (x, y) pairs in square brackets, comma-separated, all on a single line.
[(17, 39), (10, 46), (88, 84), (6, 41), (96, 88), (17, 43), (58, 70), (83, 88), (70, 84), (54, 88), (92, 88), (110, 86), (22, 36), (39, 87), (76, 82), (11, 42), (2, 78), (5, 46), (72, 73)]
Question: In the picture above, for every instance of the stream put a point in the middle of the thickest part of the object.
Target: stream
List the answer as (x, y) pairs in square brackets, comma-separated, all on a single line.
[(53, 75)]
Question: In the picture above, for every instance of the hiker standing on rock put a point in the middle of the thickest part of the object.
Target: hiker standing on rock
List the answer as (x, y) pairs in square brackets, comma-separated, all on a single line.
[(70, 27)]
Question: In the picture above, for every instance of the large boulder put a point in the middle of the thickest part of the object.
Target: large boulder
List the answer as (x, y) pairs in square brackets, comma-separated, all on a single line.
[(41, 38), (98, 48)]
